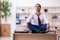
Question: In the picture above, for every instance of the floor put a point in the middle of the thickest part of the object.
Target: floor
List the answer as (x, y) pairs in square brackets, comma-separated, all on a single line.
[(6, 38)]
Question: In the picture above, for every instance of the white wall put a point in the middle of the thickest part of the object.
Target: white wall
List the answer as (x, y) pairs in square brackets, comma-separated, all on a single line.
[(42, 2), (18, 3)]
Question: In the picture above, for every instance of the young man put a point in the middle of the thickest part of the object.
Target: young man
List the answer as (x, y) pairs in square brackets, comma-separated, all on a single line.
[(37, 21)]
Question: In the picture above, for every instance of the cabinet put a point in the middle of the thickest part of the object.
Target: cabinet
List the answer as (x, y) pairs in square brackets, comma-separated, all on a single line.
[(27, 36), (5, 30), (52, 14)]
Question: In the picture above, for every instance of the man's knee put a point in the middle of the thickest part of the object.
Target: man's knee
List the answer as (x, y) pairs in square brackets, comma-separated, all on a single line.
[(43, 27)]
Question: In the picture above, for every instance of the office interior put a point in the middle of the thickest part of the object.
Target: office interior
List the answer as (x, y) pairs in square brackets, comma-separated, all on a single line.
[(20, 10)]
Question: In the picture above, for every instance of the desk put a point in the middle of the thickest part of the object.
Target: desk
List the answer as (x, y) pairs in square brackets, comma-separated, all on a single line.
[(34, 36)]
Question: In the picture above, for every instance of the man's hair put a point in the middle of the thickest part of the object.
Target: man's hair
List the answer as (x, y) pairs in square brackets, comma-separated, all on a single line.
[(38, 4)]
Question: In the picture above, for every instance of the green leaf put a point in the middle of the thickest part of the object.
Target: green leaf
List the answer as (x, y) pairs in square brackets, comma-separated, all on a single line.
[(5, 8)]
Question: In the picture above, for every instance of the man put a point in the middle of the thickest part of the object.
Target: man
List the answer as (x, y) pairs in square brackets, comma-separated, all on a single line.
[(37, 21)]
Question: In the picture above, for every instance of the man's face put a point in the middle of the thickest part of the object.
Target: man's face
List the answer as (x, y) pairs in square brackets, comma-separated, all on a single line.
[(37, 7)]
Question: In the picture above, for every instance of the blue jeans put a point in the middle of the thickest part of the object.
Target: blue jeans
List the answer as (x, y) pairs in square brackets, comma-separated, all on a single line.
[(37, 28)]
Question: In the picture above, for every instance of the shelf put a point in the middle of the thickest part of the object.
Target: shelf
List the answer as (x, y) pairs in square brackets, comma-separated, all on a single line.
[(55, 20), (23, 13), (22, 24), (22, 19), (53, 12)]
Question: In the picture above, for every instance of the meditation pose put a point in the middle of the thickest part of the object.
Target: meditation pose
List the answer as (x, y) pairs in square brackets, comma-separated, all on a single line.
[(37, 21)]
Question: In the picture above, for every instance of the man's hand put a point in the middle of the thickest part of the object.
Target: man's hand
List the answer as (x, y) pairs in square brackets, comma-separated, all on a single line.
[(48, 27), (26, 25)]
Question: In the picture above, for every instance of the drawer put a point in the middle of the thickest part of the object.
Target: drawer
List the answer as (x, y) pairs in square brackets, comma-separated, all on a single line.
[(5, 30)]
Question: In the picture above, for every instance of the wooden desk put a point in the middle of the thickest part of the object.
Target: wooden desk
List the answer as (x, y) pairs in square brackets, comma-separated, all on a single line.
[(34, 36)]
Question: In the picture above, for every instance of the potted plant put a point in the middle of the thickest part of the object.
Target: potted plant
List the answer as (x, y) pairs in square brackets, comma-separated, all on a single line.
[(5, 13), (5, 7)]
